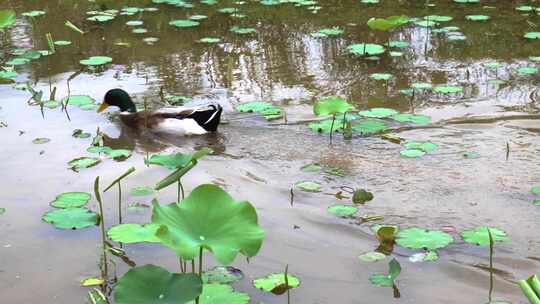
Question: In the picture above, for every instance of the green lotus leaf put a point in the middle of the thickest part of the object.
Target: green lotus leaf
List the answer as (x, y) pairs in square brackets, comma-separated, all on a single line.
[(535, 189), (480, 235), (331, 106), (223, 275), (378, 112), (426, 23), (536, 202), (71, 218), (312, 168), (2, 211), (417, 238), (342, 210), (254, 106), (492, 65), (141, 191), (7, 18), (40, 140), (532, 35), (18, 61), (51, 104), (134, 23), (118, 153), (334, 31), (425, 146), (369, 1), (467, 1), (209, 40), (361, 196), (528, 70), (83, 162), (362, 49), (198, 17), (134, 233), (176, 99), (387, 280), (438, 18), (151, 284), (171, 161), (209, 218), (370, 126), (381, 76), (221, 294), (448, 89), (477, 17), (372, 256), (414, 118), (385, 24), (309, 186), (33, 13), (421, 86), (324, 126), (398, 44), (271, 281), (8, 74), (525, 8), (78, 100), (101, 18), (243, 30), (62, 42), (96, 60), (228, 10), (139, 31), (71, 200), (412, 153)]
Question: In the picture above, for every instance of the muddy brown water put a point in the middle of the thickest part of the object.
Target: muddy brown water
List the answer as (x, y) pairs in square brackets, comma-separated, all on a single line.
[(260, 161)]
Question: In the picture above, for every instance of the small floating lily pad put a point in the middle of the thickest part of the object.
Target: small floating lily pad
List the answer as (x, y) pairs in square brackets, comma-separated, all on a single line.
[(362, 49), (83, 162), (71, 218), (271, 281), (141, 191), (309, 186), (342, 210), (243, 30), (372, 256), (528, 70), (2, 211), (480, 235), (425, 146), (387, 280), (209, 40), (414, 118), (134, 233), (535, 189), (62, 42), (381, 76), (223, 275), (312, 168), (448, 89), (417, 238), (477, 17), (41, 140), (532, 35), (101, 18), (79, 100), (378, 112), (33, 13), (411, 153), (71, 200), (96, 60), (369, 126), (421, 85)]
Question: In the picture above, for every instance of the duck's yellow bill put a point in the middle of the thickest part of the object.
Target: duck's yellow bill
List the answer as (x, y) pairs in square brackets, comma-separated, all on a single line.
[(102, 107)]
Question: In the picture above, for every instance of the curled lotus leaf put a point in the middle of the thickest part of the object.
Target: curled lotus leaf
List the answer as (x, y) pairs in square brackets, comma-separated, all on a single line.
[(209, 218), (418, 238), (480, 235)]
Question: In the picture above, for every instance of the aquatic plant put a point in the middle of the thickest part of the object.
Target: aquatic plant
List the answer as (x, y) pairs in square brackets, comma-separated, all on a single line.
[(531, 288), (388, 280), (278, 283), (118, 181), (332, 106), (7, 18)]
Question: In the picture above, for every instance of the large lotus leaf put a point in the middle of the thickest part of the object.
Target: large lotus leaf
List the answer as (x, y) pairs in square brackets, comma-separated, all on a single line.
[(271, 281), (209, 218), (378, 112), (7, 18), (331, 105), (134, 233), (171, 161), (221, 294), (417, 238), (480, 235), (370, 126), (362, 49), (151, 284), (71, 200), (222, 274), (71, 218)]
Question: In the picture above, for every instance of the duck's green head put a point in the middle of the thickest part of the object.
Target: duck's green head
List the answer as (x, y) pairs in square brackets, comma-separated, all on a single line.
[(118, 98)]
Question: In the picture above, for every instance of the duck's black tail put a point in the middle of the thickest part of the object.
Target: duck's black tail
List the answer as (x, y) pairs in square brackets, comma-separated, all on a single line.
[(208, 117)]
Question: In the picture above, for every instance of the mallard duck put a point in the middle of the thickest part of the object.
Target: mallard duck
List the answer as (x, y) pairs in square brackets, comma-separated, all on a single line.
[(177, 120)]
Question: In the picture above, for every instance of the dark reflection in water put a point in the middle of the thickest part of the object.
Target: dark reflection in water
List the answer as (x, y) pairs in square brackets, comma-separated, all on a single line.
[(282, 62)]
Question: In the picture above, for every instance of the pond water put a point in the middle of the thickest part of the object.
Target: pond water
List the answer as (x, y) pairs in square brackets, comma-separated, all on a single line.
[(285, 63)]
